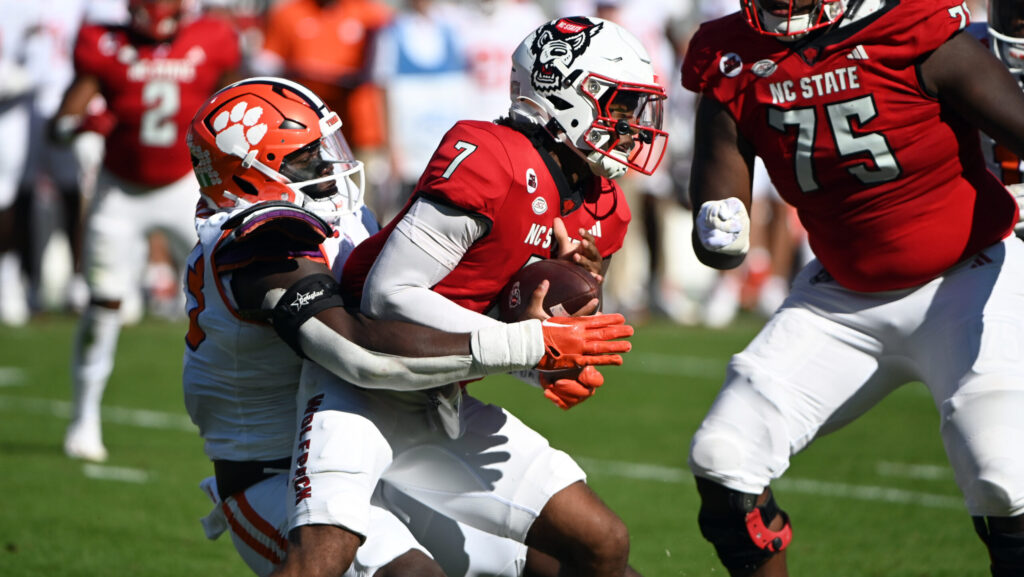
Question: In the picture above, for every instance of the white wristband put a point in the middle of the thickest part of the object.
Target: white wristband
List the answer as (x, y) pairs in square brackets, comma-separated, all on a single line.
[(503, 348)]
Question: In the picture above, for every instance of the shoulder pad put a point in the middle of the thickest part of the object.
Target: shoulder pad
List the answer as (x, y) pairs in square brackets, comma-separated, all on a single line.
[(280, 216), (277, 227)]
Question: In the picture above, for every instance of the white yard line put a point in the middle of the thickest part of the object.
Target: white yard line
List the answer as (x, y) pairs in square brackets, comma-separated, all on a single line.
[(122, 474), (597, 467), (12, 377)]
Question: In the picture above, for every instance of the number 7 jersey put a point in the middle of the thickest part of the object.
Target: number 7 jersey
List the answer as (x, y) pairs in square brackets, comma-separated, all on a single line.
[(891, 189), (153, 90)]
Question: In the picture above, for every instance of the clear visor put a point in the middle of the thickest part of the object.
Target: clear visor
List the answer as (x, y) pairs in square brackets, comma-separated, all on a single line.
[(325, 168), (628, 127)]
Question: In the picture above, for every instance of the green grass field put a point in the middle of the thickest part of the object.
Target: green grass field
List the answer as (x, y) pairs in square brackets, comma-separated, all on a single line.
[(875, 499)]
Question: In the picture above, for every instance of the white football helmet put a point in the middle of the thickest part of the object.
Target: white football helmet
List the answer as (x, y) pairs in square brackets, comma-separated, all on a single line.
[(591, 85), (1006, 33), (780, 18)]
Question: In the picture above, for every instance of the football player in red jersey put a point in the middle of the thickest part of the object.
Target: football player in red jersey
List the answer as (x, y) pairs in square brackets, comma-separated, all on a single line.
[(866, 114), (153, 73), (282, 208), (586, 107)]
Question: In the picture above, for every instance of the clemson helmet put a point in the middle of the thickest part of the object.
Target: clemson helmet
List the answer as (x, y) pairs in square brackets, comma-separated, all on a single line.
[(270, 138), (1006, 33), (591, 85), (782, 19), (156, 19)]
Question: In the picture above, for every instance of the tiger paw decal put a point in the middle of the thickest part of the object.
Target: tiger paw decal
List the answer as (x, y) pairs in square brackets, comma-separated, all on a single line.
[(239, 128)]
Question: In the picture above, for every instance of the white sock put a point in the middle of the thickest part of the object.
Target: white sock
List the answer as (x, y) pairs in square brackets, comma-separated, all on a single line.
[(92, 360)]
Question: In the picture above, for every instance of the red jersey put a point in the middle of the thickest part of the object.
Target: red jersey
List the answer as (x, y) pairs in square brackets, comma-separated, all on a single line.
[(891, 189), (153, 90), (497, 173)]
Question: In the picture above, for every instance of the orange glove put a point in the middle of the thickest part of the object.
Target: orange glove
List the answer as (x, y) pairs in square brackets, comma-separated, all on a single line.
[(570, 390), (573, 342)]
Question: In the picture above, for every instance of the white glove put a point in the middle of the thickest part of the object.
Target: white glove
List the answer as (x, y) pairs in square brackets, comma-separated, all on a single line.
[(724, 227), (1017, 190), (88, 148)]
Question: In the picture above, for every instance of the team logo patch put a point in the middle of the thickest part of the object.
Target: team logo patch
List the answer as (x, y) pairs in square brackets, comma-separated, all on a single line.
[(556, 46), (531, 181), (764, 68), (730, 65), (539, 205)]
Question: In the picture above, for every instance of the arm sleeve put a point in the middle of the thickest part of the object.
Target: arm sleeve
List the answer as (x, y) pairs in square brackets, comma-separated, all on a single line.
[(496, 349), (425, 247)]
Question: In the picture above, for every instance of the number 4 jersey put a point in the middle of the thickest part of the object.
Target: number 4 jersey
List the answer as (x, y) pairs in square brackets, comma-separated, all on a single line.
[(892, 190), (153, 90)]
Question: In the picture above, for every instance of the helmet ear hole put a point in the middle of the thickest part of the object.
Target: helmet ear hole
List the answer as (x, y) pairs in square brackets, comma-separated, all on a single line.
[(246, 186)]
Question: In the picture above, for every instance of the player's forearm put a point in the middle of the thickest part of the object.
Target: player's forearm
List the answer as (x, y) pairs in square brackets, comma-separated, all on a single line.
[(497, 349)]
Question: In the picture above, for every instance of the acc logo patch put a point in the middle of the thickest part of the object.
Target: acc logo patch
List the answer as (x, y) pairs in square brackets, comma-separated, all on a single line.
[(764, 68), (539, 205), (730, 65), (531, 181)]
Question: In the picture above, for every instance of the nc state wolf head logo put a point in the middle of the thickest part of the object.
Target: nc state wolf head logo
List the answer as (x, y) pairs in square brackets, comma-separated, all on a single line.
[(557, 45)]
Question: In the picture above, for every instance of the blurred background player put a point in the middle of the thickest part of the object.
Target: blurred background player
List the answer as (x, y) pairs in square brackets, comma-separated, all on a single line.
[(153, 74), (420, 52), (490, 30), (15, 122), (328, 46)]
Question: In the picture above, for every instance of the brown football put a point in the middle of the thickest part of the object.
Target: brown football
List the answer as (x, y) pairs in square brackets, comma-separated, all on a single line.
[(571, 288)]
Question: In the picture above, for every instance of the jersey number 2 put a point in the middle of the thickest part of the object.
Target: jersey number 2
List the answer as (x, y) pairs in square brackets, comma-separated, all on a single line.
[(162, 99)]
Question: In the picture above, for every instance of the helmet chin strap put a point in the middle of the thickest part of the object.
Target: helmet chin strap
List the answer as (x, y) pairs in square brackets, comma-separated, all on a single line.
[(605, 166)]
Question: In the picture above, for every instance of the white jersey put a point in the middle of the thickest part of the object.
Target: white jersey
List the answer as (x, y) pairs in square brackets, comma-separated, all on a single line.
[(240, 379)]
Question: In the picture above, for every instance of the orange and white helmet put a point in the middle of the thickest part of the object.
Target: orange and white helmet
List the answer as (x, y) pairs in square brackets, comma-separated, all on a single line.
[(156, 19), (273, 139), (782, 19), (591, 85)]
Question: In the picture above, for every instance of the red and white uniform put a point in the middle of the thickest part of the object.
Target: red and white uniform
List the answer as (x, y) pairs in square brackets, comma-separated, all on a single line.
[(240, 383), (483, 208), (494, 172), (840, 127), (153, 90), (918, 275)]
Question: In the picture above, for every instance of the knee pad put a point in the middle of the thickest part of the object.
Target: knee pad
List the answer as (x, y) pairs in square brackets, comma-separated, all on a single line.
[(738, 528), (1005, 549)]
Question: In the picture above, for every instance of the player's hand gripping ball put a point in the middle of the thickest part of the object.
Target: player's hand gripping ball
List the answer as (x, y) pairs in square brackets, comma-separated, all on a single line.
[(571, 288)]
